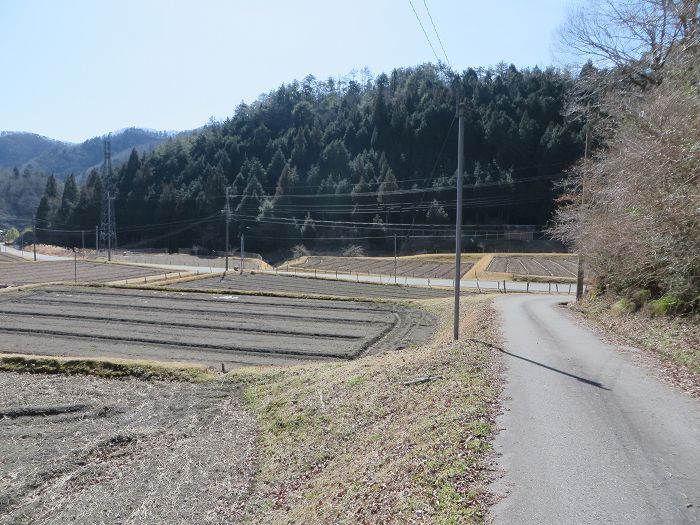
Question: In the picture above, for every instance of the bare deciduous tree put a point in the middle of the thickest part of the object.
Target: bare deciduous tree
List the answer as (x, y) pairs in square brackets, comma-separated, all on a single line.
[(634, 207), (633, 37)]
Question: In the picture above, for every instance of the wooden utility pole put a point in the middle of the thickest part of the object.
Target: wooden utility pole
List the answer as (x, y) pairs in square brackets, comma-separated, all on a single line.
[(458, 221)]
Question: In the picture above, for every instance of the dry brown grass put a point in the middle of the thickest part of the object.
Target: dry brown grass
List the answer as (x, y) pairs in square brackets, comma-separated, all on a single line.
[(673, 342), (104, 367), (351, 443)]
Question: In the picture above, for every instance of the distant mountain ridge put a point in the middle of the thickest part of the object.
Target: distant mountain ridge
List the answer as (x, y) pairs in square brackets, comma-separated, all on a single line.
[(24, 149)]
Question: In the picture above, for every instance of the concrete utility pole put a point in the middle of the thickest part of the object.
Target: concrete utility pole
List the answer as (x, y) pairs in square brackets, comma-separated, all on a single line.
[(461, 112), (579, 272), (109, 226), (34, 233), (242, 251), (227, 212), (394, 258)]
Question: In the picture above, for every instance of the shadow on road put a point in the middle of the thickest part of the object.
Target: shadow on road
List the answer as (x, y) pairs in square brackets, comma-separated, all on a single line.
[(577, 378)]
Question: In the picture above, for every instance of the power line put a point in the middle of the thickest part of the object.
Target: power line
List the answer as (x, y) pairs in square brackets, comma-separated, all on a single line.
[(424, 31), (436, 33)]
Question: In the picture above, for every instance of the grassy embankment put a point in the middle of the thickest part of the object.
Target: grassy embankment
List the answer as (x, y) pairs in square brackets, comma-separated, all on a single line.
[(353, 443)]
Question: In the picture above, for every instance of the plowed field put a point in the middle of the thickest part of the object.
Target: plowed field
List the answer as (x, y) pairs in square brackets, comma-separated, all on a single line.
[(559, 266), (303, 285), (384, 266), (201, 328), (87, 450), (21, 273)]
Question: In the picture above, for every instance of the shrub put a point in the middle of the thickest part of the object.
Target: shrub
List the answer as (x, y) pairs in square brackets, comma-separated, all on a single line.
[(11, 235), (623, 307), (640, 297), (664, 306)]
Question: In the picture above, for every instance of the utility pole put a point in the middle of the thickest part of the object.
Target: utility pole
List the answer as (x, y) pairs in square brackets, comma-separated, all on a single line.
[(394, 258), (34, 233), (227, 212), (579, 269), (82, 238), (461, 111), (97, 241), (109, 226), (242, 251)]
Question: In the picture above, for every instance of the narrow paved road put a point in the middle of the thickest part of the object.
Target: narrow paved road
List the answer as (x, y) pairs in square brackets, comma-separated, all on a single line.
[(589, 437)]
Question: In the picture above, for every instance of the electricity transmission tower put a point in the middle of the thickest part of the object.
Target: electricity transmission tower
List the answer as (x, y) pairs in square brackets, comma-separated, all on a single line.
[(108, 224)]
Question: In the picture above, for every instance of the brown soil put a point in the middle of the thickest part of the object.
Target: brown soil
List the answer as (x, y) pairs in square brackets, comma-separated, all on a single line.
[(405, 267), (302, 285), (24, 273), (88, 450), (208, 329), (190, 260), (540, 265)]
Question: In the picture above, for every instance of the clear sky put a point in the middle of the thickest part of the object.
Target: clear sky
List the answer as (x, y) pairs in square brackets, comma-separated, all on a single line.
[(73, 69)]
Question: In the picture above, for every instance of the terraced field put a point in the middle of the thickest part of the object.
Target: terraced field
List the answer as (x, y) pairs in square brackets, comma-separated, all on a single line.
[(21, 273), (6, 257), (551, 266), (304, 285), (201, 328), (384, 266)]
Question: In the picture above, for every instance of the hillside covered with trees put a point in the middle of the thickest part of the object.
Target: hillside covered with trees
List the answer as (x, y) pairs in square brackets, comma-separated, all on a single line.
[(316, 161), (41, 154)]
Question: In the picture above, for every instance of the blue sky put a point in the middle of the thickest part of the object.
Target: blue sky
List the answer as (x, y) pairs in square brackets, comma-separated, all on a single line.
[(73, 69)]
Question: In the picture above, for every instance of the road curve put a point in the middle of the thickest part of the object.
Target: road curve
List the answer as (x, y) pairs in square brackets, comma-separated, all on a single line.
[(588, 436)]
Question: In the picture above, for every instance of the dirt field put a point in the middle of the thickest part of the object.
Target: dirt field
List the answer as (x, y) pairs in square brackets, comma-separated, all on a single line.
[(303, 285), (21, 273), (6, 257), (201, 328), (408, 267), (190, 260), (88, 450), (541, 265)]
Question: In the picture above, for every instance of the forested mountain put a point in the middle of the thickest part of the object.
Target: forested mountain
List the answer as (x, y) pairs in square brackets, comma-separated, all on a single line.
[(321, 160), (20, 193), (46, 155)]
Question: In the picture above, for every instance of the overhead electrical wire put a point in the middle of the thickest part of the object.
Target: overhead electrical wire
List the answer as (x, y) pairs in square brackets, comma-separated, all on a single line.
[(424, 31), (436, 33)]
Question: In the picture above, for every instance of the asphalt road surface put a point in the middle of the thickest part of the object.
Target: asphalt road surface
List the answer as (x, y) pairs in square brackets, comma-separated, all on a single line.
[(588, 436)]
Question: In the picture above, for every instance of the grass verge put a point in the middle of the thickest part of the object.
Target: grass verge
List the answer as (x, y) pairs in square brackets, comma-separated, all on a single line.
[(107, 368), (354, 443), (675, 340)]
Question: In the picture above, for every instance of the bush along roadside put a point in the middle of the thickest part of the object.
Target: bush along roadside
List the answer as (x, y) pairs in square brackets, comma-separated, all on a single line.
[(401, 437)]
